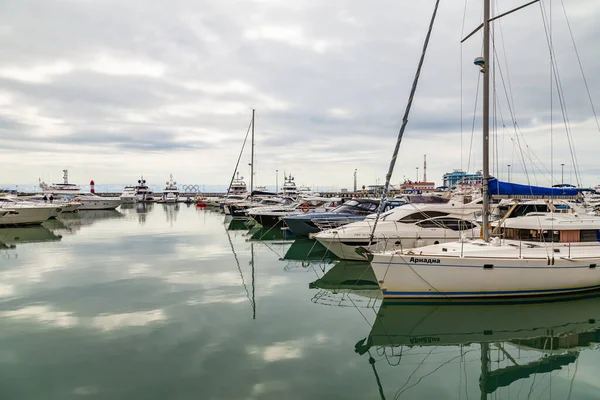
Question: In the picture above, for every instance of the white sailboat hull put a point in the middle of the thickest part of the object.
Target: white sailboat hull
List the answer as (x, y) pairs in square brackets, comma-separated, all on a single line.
[(434, 276)]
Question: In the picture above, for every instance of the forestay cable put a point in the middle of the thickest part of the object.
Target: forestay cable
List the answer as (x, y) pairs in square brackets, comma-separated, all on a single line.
[(388, 177)]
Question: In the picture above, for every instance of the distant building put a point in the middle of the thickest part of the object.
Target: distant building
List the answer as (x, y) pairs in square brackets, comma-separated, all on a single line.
[(420, 187), (375, 189), (458, 176)]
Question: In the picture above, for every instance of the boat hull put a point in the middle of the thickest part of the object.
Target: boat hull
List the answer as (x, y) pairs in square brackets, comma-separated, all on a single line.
[(128, 200), (100, 204), (413, 276), (345, 248), (268, 220), (27, 216), (305, 225)]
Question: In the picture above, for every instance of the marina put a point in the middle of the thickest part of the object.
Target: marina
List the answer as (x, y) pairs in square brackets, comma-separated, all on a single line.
[(176, 294), (300, 201)]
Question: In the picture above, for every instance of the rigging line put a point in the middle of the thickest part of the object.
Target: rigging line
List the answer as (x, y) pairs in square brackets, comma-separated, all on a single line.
[(413, 89), (515, 126), (402, 390), (461, 84), (473, 123), (563, 106), (239, 158), (551, 106), (399, 392), (573, 379), (580, 64)]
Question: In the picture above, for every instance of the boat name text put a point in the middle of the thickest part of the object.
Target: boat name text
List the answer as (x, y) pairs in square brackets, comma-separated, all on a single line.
[(424, 260)]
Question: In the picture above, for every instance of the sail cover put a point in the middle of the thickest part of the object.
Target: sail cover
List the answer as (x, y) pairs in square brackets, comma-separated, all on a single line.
[(497, 188)]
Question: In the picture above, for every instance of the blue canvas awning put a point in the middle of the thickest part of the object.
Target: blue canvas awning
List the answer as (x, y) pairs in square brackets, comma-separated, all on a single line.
[(497, 188)]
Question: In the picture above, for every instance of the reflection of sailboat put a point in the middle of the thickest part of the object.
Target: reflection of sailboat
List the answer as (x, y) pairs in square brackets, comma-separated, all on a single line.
[(269, 234), (347, 284), (31, 234), (304, 249), (348, 275), (237, 225), (550, 326)]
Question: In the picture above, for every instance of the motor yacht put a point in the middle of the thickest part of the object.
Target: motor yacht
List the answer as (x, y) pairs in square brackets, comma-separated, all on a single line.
[(170, 192), (91, 201), (129, 195), (410, 225), (17, 212), (351, 211), (142, 192), (60, 188), (289, 188), (272, 216)]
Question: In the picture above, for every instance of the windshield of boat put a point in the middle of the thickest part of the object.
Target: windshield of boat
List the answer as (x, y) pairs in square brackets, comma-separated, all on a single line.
[(455, 224), (356, 207)]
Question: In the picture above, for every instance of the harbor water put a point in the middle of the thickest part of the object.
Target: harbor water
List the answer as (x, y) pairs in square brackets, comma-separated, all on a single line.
[(160, 301)]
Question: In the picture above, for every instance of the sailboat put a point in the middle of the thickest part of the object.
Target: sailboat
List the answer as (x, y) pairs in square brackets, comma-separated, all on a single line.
[(554, 255)]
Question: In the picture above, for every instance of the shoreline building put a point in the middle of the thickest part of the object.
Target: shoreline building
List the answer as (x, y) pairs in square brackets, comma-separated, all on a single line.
[(459, 176)]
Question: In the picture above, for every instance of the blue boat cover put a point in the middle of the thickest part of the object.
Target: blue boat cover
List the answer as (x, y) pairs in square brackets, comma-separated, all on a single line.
[(497, 188)]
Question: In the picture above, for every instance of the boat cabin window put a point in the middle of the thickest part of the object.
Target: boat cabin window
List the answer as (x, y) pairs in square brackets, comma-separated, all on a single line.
[(524, 209), (421, 215), (454, 224), (536, 235)]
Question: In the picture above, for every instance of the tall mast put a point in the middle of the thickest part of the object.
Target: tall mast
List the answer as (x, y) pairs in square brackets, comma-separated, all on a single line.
[(486, 118), (252, 157)]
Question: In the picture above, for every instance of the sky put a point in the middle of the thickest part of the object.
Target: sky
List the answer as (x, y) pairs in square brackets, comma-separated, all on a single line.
[(114, 89)]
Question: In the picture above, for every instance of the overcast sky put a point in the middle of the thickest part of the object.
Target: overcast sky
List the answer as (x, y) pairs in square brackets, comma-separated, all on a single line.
[(112, 89)]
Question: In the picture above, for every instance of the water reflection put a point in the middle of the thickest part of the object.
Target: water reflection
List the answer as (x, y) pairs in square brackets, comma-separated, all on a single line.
[(523, 339), (10, 237), (207, 304), (171, 210), (141, 209)]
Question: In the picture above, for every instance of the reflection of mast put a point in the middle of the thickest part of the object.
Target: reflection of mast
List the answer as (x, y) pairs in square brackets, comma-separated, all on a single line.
[(237, 261), (253, 286), (485, 369)]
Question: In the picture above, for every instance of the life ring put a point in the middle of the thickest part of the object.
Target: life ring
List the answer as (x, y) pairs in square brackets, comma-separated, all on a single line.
[(305, 207)]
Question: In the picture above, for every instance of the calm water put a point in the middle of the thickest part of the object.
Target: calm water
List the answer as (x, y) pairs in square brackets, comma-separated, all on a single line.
[(170, 302)]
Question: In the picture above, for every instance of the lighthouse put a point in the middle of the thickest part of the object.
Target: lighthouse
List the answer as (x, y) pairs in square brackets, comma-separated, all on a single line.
[(92, 189)]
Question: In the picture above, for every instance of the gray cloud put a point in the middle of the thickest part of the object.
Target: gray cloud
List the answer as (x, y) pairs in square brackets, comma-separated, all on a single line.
[(326, 77)]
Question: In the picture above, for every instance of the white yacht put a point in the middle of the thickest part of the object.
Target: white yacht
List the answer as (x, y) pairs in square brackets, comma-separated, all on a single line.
[(289, 188), (410, 225), (170, 192), (60, 188), (129, 195), (90, 201), (142, 192), (17, 212), (238, 186), (67, 203)]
